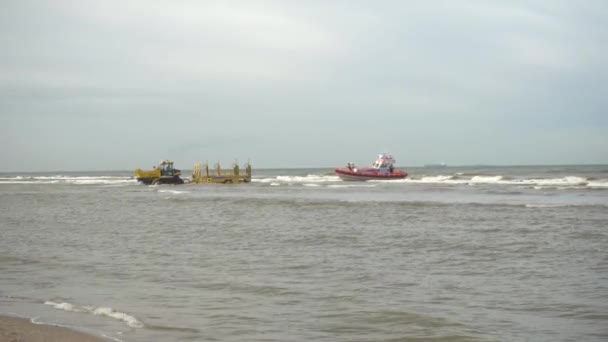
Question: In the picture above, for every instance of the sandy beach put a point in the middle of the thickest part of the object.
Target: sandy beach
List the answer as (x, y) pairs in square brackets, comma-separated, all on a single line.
[(14, 329)]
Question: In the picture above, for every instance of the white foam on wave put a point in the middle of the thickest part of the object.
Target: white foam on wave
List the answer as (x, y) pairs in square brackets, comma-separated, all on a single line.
[(439, 179), (564, 182), (541, 183), (314, 180), (299, 179), (598, 184), (102, 182), (121, 316), (12, 178), (98, 311), (307, 179), (28, 182), (63, 306), (486, 179), (176, 192), (77, 180), (436, 179), (569, 180)]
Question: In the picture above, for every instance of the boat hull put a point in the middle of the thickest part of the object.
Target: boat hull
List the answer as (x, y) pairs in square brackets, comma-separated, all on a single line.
[(365, 175)]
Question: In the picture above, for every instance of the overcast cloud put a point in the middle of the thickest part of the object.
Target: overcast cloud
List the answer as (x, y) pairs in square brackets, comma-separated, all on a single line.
[(100, 85)]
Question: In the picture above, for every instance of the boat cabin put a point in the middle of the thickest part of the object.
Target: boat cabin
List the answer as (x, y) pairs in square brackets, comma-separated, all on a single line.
[(384, 161)]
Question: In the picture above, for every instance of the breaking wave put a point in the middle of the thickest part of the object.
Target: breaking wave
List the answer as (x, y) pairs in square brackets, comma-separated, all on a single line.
[(76, 180), (455, 179), (98, 311), (331, 180), (309, 179), (568, 181), (175, 192)]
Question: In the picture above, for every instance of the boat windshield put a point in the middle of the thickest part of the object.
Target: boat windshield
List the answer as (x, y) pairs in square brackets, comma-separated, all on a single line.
[(384, 161), (382, 164)]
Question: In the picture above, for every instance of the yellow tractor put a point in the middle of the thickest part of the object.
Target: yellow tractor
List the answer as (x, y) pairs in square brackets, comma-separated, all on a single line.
[(163, 174)]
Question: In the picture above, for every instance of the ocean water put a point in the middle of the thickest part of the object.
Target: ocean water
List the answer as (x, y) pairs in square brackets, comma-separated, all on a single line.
[(449, 254)]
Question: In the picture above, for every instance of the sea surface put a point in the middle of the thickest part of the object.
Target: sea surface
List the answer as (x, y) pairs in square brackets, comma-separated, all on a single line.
[(448, 254)]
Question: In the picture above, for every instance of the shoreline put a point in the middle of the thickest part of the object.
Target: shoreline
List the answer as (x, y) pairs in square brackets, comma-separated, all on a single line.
[(17, 329)]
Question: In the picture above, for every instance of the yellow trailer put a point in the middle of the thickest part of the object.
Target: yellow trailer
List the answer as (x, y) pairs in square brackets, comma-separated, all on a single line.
[(202, 174)]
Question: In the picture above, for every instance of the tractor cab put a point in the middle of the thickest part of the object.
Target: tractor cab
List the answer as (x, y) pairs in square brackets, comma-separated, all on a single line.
[(166, 169)]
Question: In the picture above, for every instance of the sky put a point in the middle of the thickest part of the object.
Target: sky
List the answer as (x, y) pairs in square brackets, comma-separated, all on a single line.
[(116, 85)]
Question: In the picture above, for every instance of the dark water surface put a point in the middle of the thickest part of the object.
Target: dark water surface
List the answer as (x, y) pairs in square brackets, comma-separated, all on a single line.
[(451, 254)]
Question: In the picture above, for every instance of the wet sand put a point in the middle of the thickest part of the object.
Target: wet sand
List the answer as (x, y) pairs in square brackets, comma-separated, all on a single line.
[(14, 329)]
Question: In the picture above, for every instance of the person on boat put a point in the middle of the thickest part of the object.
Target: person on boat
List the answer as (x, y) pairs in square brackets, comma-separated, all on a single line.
[(391, 168), (349, 166)]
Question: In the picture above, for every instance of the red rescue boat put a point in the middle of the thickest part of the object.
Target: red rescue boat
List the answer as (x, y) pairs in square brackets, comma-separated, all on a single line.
[(382, 169)]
